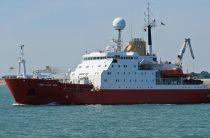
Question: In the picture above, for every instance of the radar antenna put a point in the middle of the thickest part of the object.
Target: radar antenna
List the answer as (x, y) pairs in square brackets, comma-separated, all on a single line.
[(21, 61), (149, 23), (119, 24)]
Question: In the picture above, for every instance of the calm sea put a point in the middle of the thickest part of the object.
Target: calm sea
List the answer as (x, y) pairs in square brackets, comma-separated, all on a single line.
[(123, 121)]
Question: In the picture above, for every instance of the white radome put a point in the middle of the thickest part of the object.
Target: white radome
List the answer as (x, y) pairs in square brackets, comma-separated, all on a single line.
[(119, 23)]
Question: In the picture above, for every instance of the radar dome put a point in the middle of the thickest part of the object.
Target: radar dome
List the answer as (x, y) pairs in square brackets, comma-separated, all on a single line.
[(119, 23)]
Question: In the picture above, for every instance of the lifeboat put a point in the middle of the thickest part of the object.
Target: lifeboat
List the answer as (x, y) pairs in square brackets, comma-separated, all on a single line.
[(173, 72)]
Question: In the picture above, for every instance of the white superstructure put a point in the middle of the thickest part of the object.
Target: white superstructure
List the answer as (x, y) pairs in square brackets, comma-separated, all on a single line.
[(132, 68)]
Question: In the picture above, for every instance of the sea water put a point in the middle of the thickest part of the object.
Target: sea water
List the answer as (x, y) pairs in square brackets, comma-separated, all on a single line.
[(89, 121)]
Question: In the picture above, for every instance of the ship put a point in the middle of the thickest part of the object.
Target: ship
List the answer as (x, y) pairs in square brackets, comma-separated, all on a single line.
[(132, 75)]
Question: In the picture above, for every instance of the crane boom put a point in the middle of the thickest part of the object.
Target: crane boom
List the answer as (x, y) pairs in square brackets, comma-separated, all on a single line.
[(182, 51), (191, 50)]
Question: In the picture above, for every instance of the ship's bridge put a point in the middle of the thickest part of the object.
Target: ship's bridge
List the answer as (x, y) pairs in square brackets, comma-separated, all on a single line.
[(119, 56)]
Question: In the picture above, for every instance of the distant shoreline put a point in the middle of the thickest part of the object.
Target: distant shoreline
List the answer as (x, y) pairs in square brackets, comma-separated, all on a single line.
[(2, 82)]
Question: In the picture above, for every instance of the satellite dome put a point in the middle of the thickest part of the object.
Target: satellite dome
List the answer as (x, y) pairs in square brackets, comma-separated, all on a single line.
[(119, 23)]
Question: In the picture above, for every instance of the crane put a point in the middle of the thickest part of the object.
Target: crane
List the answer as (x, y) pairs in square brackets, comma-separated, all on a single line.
[(186, 44)]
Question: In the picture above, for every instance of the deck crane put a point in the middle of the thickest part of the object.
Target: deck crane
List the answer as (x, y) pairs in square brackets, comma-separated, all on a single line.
[(182, 51)]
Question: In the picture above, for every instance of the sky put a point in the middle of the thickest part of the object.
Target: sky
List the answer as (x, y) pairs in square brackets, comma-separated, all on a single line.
[(58, 32)]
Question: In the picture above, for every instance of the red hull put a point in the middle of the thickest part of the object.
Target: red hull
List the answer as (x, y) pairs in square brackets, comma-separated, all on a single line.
[(37, 91)]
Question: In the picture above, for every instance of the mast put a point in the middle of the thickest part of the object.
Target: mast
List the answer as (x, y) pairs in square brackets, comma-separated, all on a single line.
[(149, 24), (21, 61)]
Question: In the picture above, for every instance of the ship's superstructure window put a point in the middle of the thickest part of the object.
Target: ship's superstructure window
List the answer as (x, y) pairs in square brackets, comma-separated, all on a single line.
[(114, 57), (154, 59), (94, 58)]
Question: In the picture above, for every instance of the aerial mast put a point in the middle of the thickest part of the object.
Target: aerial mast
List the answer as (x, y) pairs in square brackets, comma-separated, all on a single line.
[(149, 23)]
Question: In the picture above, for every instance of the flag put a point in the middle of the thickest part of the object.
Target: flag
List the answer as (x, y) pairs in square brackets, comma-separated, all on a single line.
[(162, 23), (11, 68)]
